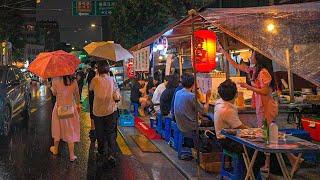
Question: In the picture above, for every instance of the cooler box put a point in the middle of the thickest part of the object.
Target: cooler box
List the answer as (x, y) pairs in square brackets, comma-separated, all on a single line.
[(312, 125), (126, 119)]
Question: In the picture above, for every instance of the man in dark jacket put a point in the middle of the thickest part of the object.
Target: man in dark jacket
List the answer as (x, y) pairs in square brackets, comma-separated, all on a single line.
[(90, 76)]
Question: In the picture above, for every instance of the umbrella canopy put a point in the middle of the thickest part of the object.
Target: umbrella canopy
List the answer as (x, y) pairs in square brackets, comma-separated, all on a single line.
[(108, 50), (54, 64)]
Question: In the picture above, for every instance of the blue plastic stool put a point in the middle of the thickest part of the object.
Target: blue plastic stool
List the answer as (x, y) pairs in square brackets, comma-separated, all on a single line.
[(172, 130), (166, 132), (237, 170), (135, 109), (182, 150), (176, 136), (159, 124)]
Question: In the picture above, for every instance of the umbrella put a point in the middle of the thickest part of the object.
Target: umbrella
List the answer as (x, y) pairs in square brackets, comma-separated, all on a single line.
[(108, 50), (54, 64)]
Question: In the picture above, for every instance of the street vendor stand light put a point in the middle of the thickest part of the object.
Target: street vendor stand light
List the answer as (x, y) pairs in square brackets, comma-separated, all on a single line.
[(94, 26)]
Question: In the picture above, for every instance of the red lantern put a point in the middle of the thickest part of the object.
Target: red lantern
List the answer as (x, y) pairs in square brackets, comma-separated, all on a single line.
[(205, 51), (130, 70)]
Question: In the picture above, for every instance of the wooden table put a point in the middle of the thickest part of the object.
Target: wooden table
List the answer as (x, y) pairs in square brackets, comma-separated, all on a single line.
[(289, 145)]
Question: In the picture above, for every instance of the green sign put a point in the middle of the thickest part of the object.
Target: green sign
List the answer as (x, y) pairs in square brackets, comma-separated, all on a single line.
[(92, 7)]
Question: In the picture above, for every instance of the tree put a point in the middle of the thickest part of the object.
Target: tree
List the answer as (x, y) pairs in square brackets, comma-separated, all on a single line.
[(134, 21), (11, 26)]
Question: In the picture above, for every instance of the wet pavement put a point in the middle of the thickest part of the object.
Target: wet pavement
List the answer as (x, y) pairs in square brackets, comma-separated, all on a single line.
[(25, 153)]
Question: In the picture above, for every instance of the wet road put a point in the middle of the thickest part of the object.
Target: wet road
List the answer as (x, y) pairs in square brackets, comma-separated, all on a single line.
[(25, 153)]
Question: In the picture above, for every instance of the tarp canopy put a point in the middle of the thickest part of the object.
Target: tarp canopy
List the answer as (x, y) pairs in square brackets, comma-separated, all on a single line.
[(287, 34)]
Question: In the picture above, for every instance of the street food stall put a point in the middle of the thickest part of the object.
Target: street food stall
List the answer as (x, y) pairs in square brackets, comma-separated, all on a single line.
[(288, 35)]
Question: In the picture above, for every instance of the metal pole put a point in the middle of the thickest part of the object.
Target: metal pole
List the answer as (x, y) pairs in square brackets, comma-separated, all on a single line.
[(290, 76), (193, 13)]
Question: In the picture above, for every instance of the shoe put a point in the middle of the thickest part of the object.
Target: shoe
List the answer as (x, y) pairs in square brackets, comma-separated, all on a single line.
[(186, 157), (53, 150), (112, 161), (73, 159), (141, 112)]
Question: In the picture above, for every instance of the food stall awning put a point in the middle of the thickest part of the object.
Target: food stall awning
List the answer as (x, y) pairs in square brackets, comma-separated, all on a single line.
[(287, 34), (152, 39)]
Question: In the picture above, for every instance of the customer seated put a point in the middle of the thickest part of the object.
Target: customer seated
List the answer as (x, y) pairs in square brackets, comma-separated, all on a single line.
[(139, 94), (158, 92), (167, 95), (186, 107), (226, 116)]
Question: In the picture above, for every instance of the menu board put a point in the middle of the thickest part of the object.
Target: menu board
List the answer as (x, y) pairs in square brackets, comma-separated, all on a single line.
[(208, 81), (142, 59)]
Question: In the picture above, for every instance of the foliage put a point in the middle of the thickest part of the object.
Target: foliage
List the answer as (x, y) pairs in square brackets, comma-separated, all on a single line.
[(11, 27), (134, 21)]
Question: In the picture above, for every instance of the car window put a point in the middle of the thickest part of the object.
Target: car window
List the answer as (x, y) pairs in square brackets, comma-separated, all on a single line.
[(11, 76)]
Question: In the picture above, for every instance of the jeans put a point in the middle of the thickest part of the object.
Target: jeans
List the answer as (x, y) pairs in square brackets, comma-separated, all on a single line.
[(106, 133)]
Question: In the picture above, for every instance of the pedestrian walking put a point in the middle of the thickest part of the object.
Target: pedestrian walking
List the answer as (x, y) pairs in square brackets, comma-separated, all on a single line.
[(80, 75), (105, 112), (90, 76), (65, 123)]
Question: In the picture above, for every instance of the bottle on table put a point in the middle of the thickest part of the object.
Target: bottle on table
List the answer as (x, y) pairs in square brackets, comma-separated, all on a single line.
[(273, 133), (265, 129)]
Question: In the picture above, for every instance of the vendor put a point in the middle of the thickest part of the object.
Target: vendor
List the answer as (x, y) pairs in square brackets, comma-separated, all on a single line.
[(261, 84)]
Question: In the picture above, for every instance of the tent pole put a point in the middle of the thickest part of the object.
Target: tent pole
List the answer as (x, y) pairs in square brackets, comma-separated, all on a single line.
[(193, 13), (290, 76)]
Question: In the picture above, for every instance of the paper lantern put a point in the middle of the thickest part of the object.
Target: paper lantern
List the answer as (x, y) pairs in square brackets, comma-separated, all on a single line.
[(130, 70), (205, 50)]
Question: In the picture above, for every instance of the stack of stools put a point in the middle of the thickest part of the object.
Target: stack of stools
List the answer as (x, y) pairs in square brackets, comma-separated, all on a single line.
[(159, 123), (182, 150), (134, 111), (172, 139), (166, 131)]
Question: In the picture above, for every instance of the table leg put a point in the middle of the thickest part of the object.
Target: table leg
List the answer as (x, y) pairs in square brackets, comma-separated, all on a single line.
[(295, 166), (249, 169), (283, 167), (247, 160)]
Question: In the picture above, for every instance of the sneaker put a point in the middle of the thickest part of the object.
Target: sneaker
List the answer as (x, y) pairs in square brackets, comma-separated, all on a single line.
[(186, 157), (112, 161)]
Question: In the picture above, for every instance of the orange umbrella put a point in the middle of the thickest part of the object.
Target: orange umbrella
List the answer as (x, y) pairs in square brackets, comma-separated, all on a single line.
[(54, 64)]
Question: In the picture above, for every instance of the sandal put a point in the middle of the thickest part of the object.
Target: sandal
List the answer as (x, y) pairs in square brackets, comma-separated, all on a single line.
[(73, 159), (53, 150)]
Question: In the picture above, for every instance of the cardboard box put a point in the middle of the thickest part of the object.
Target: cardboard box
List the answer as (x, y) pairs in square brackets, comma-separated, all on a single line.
[(210, 162)]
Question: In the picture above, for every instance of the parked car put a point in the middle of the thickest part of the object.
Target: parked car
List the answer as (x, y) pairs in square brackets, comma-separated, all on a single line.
[(15, 98)]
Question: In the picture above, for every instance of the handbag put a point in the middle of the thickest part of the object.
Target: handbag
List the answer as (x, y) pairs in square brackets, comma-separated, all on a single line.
[(65, 111), (116, 95)]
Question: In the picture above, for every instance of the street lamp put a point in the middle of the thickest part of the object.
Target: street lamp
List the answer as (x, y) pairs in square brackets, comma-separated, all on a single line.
[(93, 26)]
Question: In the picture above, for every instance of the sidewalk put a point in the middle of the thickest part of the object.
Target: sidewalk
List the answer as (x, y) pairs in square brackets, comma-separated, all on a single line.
[(189, 169)]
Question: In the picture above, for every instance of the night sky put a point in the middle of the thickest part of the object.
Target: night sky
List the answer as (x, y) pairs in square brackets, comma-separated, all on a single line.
[(73, 29)]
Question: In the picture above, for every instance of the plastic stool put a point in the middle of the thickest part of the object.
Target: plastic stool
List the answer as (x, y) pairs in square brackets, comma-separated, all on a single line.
[(176, 136), (166, 132), (182, 150), (236, 172), (135, 109), (159, 123), (153, 122), (172, 130)]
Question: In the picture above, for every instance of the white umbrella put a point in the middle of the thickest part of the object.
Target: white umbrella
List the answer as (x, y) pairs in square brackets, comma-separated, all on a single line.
[(108, 50)]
